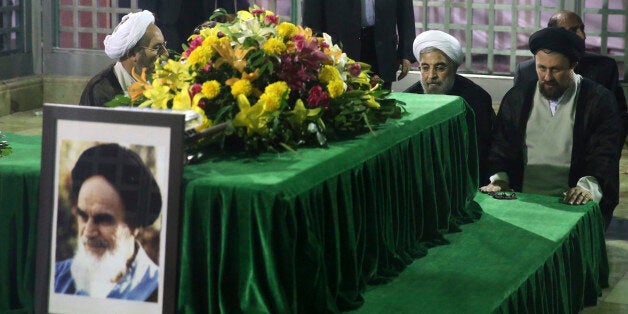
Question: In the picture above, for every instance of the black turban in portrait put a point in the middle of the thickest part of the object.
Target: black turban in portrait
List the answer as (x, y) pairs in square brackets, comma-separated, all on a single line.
[(128, 174), (559, 40)]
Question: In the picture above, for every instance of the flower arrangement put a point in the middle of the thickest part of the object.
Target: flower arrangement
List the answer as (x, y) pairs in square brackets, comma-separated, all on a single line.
[(267, 84)]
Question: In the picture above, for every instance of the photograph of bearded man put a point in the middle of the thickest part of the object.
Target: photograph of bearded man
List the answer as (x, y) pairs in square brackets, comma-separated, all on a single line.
[(113, 197)]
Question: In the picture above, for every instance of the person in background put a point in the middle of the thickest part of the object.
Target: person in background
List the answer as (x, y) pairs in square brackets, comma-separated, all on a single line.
[(439, 55), (379, 33), (178, 18), (113, 196), (136, 43), (558, 135), (599, 68)]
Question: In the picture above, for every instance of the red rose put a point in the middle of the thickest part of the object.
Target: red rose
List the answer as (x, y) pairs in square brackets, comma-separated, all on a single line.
[(318, 98)]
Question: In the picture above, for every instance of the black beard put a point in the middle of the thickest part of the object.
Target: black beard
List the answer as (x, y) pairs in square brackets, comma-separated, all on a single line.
[(554, 95)]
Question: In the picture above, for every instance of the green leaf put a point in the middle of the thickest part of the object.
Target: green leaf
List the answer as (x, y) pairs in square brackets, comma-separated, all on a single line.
[(119, 100)]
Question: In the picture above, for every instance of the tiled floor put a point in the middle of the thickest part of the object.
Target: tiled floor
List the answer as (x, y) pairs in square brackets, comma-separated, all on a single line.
[(614, 298)]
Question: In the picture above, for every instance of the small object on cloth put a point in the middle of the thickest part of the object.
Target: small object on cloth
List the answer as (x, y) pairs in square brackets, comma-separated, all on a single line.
[(440, 40), (557, 39), (503, 195), (127, 33)]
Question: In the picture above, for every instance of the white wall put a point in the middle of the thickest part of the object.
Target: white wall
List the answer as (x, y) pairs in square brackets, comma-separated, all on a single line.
[(496, 86)]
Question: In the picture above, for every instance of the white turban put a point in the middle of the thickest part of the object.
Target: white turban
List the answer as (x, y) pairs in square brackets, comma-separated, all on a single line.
[(127, 33), (440, 40)]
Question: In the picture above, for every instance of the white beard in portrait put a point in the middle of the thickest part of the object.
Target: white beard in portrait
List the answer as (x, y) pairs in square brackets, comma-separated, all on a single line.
[(97, 275)]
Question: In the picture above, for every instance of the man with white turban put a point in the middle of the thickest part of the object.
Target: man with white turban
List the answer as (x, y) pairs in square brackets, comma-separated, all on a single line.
[(439, 55), (135, 43)]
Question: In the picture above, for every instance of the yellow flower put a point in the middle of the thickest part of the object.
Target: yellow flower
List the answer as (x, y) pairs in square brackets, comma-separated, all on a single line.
[(210, 89), (209, 32), (206, 122), (245, 15), (274, 46), (286, 30), (329, 73), (278, 89), (200, 56), (210, 41), (241, 87), (370, 101), (299, 113), (158, 96), (335, 88), (177, 72), (269, 102), (182, 99), (250, 117)]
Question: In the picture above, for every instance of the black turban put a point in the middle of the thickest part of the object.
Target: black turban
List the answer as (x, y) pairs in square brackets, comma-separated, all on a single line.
[(559, 40), (128, 174)]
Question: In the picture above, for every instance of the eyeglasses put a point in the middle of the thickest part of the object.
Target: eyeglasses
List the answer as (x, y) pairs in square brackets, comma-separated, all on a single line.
[(438, 68), (158, 48)]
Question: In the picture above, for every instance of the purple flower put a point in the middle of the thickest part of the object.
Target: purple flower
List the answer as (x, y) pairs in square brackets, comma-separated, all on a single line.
[(355, 69), (271, 19), (196, 88)]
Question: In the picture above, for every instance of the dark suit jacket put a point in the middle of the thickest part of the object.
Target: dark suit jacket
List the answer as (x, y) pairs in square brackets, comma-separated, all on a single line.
[(101, 88), (597, 132), (599, 68), (480, 101), (178, 18), (342, 20)]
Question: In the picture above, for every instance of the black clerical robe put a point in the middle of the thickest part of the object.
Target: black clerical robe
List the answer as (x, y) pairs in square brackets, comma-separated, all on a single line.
[(599, 68), (101, 88), (480, 101), (598, 130)]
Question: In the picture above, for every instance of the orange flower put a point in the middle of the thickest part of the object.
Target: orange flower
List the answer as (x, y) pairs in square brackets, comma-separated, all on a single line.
[(235, 57), (136, 90)]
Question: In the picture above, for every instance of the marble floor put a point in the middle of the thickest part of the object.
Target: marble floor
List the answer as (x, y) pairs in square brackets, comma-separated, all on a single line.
[(613, 300)]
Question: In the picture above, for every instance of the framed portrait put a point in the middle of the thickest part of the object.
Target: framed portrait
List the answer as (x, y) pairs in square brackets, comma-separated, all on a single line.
[(108, 210)]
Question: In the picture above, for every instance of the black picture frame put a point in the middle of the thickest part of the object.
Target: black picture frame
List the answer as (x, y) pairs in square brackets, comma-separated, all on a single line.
[(68, 130)]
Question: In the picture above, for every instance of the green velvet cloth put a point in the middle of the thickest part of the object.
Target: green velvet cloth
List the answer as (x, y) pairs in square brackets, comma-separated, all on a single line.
[(530, 255), (19, 188), (306, 232)]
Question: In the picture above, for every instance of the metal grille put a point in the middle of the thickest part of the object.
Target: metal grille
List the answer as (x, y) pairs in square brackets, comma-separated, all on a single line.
[(605, 26), (85, 23), (493, 33), (11, 26)]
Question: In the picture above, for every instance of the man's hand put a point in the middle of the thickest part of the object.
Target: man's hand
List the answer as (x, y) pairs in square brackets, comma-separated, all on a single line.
[(405, 67), (497, 186), (577, 196)]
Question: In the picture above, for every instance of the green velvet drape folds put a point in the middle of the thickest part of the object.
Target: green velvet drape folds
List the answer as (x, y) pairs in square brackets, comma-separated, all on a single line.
[(306, 232)]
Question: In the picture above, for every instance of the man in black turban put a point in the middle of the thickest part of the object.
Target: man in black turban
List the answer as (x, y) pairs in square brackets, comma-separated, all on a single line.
[(558, 135), (113, 196), (599, 68)]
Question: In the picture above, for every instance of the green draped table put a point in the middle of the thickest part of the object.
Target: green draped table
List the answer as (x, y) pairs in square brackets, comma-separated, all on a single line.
[(530, 255), (289, 232)]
